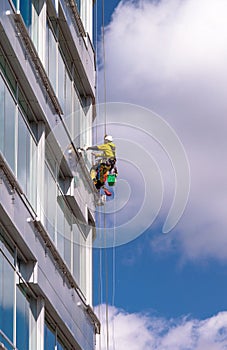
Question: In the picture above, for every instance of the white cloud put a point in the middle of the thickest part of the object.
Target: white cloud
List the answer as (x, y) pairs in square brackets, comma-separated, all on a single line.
[(170, 56), (142, 332)]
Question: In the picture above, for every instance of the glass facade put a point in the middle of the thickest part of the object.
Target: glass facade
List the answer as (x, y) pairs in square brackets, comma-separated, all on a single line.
[(52, 339), (17, 142), (18, 316), (15, 320), (61, 224), (45, 251)]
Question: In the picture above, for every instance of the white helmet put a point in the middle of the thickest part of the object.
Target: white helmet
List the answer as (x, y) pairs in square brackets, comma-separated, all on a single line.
[(108, 138)]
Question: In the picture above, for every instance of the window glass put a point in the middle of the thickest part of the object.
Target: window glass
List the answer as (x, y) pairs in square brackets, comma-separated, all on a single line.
[(8, 73), (22, 153), (50, 198), (25, 9), (52, 57), (59, 346), (61, 81), (67, 237), (7, 297), (76, 253), (6, 247), (78, 4), (2, 113), (10, 109), (22, 320), (24, 105), (60, 225), (68, 103), (76, 119), (53, 337), (49, 338), (82, 264), (11, 79), (35, 23), (32, 171), (27, 161), (1, 289), (83, 128)]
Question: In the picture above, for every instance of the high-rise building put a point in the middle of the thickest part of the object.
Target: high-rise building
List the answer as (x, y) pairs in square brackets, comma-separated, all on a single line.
[(47, 198)]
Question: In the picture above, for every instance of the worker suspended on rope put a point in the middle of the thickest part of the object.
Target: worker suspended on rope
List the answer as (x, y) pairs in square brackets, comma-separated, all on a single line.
[(105, 164)]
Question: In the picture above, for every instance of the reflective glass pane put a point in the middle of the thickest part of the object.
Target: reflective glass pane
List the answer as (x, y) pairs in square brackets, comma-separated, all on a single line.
[(26, 10), (49, 338), (22, 320), (2, 115), (32, 170), (67, 237), (76, 253), (52, 58), (10, 110), (60, 225), (78, 4), (76, 119), (50, 196), (68, 97), (83, 264), (61, 81), (1, 288), (22, 153), (7, 298), (59, 346)]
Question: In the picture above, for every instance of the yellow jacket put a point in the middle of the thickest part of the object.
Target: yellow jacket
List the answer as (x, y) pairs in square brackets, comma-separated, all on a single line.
[(108, 150)]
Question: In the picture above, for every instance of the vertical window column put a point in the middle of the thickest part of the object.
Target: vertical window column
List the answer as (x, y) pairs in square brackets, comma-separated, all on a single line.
[(41, 171), (38, 29), (40, 324)]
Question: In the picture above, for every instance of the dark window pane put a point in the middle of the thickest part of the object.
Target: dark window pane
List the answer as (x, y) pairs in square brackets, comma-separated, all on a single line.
[(22, 321), (49, 338), (26, 10), (7, 297)]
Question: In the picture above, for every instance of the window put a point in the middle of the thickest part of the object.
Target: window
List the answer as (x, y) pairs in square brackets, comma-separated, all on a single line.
[(53, 338), (2, 126), (26, 12), (61, 81), (64, 228), (6, 297), (22, 320), (9, 113), (27, 160), (51, 50), (78, 4), (15, 332), (17, 142), (49, 338), (50, 200)]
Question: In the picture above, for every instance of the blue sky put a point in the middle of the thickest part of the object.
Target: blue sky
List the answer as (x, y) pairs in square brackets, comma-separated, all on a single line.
[(170, 58)]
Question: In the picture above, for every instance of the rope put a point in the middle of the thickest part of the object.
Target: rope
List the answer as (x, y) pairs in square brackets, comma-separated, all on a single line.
[(100, 284), (104, 63), (105, 132), (107, 284), (114, 271)]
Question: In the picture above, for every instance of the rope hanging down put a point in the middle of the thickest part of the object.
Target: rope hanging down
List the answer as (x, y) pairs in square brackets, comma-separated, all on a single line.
[(104, 63), (105, 260)]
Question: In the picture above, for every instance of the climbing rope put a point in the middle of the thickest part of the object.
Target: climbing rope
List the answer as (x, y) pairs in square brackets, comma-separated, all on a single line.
[(105, 132), (103, 259), (104, 63)]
